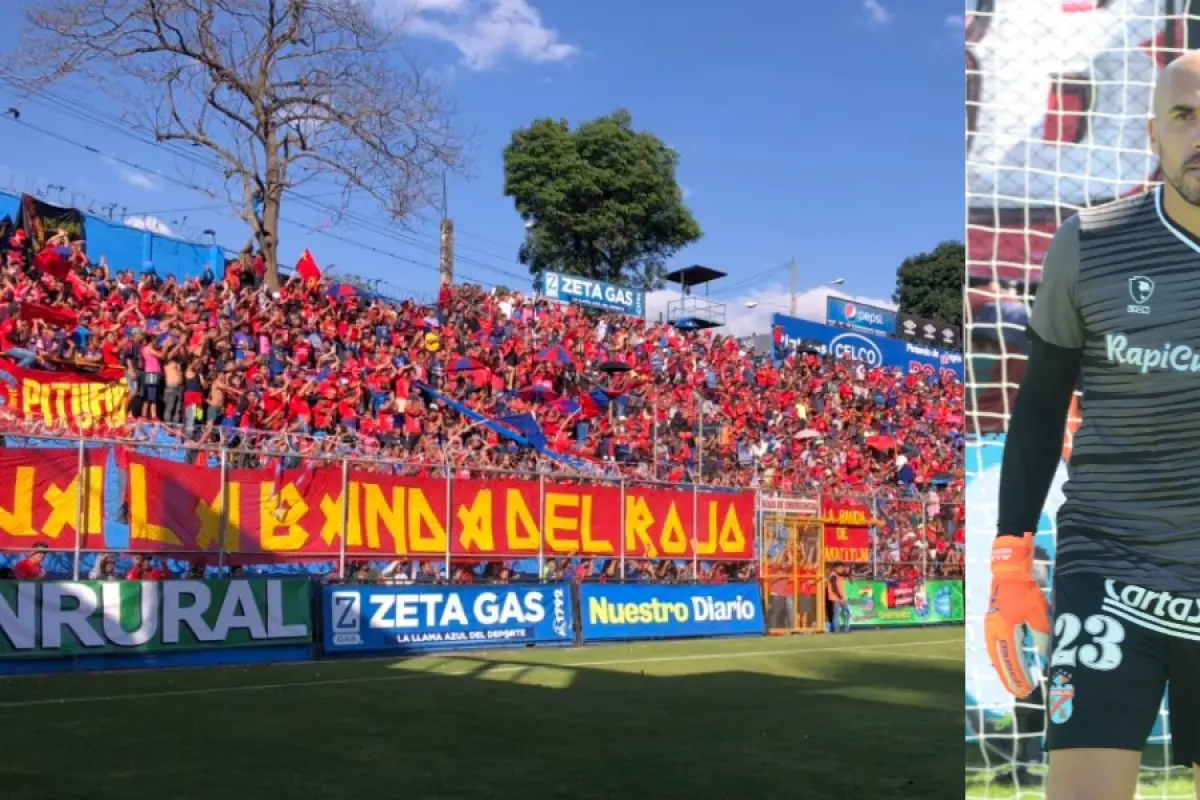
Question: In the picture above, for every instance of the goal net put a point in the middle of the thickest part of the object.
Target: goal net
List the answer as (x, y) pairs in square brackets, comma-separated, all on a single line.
[(1058, 95)]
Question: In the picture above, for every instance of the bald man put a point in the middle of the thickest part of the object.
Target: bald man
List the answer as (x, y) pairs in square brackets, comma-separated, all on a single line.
[(1119, 307)]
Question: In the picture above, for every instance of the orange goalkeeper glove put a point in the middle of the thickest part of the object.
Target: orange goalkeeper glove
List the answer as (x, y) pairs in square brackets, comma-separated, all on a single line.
[(1016, 601)]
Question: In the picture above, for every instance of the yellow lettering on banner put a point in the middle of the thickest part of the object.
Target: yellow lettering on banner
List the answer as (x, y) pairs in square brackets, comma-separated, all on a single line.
[(61, 394), (674, 537), (31, 398), (708, 547), (379, 509), (638, 520), (556, 523), (64, 508), (733, 538), (210, 519), (334, 512), (93, 524), (283, 509), (587, 539), (19, 520), (140, 528), (476, 520), (519, 523), (425, 531), (74, 398)]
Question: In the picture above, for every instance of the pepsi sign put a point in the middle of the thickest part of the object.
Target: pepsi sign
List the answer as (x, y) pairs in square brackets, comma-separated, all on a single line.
[(870, 319)]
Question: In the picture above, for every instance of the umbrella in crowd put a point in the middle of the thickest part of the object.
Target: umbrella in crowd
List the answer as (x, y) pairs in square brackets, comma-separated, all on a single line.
[(614, 366), (881, 443), (538, 394), (464, 364), (556, 354)]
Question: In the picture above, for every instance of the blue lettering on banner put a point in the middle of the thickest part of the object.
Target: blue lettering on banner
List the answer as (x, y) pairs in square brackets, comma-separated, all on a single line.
[(874, 351), (645, 611), (870, 319), (595, 294), (413, 618)]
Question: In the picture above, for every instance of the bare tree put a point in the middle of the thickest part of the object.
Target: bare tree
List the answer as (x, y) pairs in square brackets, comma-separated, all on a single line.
[(284, 93)]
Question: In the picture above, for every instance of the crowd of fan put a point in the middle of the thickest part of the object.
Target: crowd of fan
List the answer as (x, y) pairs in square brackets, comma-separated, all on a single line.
[(324, 369)]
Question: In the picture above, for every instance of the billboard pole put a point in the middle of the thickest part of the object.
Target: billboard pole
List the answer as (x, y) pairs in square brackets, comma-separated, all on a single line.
[(795, 283)]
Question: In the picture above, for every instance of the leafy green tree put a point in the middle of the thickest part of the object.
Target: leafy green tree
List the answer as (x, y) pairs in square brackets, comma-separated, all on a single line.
[(600, 201), (931, 284)]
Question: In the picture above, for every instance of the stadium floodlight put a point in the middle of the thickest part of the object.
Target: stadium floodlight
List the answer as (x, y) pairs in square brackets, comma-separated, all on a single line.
[(1057, 104)]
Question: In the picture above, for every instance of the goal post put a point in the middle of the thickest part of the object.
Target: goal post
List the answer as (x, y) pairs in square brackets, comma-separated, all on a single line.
[(1058, 97)]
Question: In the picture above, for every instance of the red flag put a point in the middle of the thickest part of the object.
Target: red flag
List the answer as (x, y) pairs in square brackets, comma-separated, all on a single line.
[(55, 261), (307, 268), (59, 317)]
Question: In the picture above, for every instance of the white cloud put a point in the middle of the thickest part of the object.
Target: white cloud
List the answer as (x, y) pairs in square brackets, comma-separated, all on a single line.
[(955, 21), (487, 32), (768, 301), (134, 177), (152, 224), (876, 13)]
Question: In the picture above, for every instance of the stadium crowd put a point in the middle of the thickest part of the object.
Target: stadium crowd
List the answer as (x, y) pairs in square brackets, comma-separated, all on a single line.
[(324, 369)]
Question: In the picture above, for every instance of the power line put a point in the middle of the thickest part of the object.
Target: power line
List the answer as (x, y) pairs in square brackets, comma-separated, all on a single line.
[(302, 200), (69, 106)]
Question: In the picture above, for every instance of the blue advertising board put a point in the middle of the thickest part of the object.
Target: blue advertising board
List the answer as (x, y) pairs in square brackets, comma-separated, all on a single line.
[(872, 350), (595, 294), (648, 611), (415, 618), (870, 319)]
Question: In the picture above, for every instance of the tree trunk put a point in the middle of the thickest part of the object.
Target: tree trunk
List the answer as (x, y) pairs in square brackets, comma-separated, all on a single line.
[(269, 240)]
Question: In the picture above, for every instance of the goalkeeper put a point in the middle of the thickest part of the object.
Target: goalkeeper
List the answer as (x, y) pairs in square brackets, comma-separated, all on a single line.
[(1118, 307)]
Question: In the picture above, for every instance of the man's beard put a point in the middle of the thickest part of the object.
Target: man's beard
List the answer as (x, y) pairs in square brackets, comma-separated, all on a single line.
[(1178, 180)]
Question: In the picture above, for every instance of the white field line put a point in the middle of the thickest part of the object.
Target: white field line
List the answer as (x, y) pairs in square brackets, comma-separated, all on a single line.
[(500, 668)]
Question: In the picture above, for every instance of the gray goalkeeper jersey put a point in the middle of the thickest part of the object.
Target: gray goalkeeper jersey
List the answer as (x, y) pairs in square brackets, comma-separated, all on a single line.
[(1121, 282)]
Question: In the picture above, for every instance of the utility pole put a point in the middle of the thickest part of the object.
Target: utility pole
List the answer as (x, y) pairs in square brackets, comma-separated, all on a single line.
[(446, 262), (795, 283)]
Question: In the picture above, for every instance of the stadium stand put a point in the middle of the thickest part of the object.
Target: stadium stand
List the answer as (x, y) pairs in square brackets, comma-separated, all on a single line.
[(486, 381)]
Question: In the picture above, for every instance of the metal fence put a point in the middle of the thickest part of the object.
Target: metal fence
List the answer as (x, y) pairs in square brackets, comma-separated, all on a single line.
[(912, 534)]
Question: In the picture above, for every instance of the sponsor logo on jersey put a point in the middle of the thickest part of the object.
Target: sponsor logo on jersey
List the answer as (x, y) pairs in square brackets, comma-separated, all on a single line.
[(1157, 611), (1159, 358), (1141, 289), (1062, 698)]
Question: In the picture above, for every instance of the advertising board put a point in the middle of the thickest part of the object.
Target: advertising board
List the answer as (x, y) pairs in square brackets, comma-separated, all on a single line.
[(415, 618), (656, 611)]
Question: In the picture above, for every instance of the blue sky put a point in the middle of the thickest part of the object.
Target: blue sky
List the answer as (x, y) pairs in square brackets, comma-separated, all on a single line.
[(827, 131)]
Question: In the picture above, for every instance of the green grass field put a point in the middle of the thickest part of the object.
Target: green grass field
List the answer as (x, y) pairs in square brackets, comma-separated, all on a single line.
[(857, 717)]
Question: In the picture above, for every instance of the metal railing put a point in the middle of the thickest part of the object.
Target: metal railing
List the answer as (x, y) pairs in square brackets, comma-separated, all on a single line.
[(911, 534)]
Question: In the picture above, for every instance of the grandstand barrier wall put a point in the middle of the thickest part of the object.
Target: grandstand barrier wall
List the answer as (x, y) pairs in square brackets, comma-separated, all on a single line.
[(609, 612), (56, 626), (62, 626), (407, 619), (128, 248), (281, 507)]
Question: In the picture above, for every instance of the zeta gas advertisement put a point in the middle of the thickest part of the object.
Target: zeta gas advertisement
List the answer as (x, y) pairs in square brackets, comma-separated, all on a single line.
[(641, 611), (414, 618), (920, 602)]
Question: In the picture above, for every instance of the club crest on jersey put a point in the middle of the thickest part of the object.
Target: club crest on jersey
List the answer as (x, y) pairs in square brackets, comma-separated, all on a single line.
[(1141, 289), (1062, 698)]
